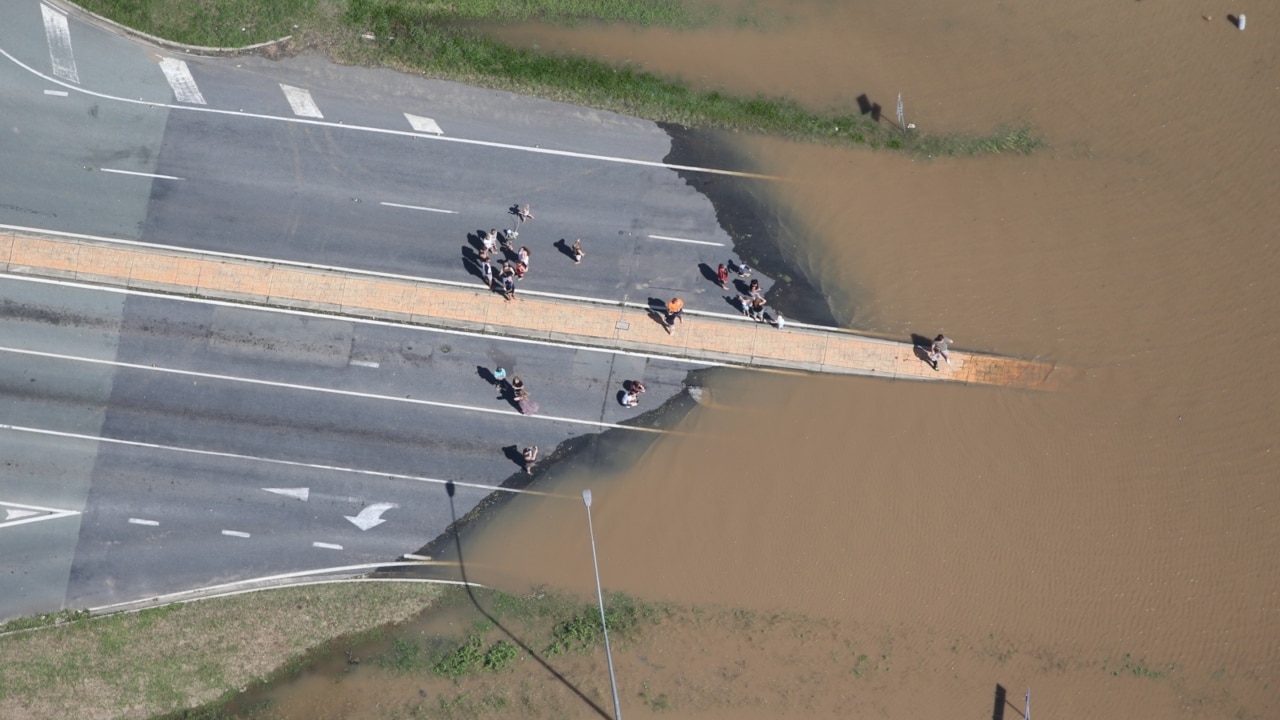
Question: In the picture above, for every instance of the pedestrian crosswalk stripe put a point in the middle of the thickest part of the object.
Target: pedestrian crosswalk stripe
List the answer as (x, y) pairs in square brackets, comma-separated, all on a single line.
[(179, 77), (423, 124), (301, 102), (59, 36)]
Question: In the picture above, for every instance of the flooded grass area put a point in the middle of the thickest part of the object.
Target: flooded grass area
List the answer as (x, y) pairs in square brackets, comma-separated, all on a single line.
[(538, 654)]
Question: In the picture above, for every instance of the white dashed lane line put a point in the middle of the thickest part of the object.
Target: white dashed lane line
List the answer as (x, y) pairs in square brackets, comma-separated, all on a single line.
[(180, 79), (326, 546), (419, 207), (301, 102), (140, 521), (139, 174), (686, 240), (57, 32), (56, 93), (235, 533)]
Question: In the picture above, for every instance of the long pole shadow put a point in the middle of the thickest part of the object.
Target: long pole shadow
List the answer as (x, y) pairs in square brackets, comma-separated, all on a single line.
[(462, 567)]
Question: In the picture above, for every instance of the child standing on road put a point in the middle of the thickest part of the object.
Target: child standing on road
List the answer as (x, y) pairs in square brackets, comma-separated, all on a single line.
[(577, 251), (722, 276)]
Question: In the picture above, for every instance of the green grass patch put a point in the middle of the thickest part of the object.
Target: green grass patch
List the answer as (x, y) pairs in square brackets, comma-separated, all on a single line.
[(209, 23), (448, 40), (176, 657)]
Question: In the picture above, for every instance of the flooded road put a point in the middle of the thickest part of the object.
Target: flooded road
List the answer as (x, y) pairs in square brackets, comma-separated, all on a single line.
[(1113, 546)]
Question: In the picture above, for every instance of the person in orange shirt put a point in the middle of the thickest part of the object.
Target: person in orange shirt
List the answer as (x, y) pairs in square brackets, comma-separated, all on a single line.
[(675, 311)]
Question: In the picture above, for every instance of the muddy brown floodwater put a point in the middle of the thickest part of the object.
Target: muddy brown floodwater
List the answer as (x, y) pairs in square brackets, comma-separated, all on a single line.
[(1114, 546)]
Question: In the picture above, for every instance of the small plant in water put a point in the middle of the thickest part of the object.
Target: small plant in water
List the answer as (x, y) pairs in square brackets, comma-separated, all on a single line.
[(499, 655)]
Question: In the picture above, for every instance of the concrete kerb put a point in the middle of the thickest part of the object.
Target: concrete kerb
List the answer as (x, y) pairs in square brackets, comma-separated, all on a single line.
[(89, 15)]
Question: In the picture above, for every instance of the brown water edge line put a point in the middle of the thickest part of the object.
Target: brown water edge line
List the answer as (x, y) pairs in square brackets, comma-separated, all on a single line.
[(419, 302)]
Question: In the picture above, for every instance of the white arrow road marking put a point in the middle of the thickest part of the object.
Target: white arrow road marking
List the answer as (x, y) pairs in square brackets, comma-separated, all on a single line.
[(369, 517), (299, 493), (19, 514), (301, 102), (423, 124), (179, 77), (58, 34)]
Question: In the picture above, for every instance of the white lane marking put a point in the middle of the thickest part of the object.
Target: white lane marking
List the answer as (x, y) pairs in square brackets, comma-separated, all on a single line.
[(365, 363), (273, 581), (326, 546), (323, 390), (235, 533), (470, 285), (412, 556), (58, 34), (686, 240), (301, 102), (140, 521), (21, 514), (401, 133), (295, 493), (139, 174), (419, 207), (57, 93), (371, 516), (180, 79), (270, 461), (423, 124), (371, 321)]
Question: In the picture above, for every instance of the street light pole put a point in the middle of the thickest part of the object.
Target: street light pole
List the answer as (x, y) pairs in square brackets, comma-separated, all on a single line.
[(613, 683)]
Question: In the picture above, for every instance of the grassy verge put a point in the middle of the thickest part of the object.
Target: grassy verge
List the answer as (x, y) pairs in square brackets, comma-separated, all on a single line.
[(447, 40), (179, 656)]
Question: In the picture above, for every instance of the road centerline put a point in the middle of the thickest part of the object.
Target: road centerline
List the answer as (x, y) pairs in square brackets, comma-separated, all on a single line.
[(318, 389)]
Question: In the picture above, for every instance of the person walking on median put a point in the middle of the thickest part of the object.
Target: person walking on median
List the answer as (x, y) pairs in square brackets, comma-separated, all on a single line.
[(577, 251), (509, 286), (675, 311), (940, 349)]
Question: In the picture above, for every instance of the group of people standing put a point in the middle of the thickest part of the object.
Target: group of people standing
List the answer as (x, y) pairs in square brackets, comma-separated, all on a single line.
[(493, 242), (501, 244)]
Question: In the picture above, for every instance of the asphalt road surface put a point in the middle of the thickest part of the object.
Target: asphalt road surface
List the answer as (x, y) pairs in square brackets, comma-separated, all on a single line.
[(141, 435), (306, 161), (168, 423)]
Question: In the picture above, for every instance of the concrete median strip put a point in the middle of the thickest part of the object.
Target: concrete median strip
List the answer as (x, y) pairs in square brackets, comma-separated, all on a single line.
[(427, 303)]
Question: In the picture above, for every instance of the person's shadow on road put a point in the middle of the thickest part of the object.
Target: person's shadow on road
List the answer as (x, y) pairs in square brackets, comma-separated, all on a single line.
[(564, 249)]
